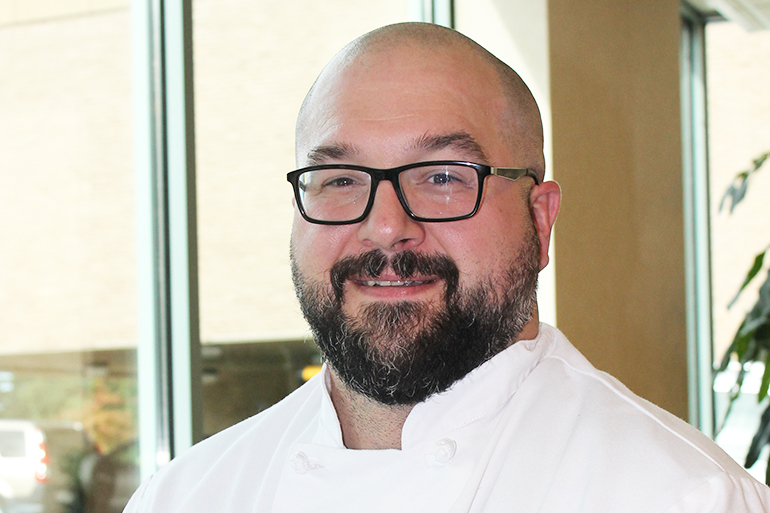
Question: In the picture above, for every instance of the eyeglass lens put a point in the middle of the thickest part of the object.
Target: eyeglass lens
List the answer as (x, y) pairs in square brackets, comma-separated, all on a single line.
[(430, 192)]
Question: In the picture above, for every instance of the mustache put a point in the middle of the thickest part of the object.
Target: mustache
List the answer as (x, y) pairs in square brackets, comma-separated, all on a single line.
[(405, 265)]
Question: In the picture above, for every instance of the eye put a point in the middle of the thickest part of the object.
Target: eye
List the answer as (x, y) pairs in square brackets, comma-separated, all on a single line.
[(440, 178), (444, 177), (340, 181)]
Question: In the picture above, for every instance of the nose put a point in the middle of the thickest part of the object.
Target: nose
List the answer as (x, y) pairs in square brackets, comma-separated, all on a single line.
[(388, 227)]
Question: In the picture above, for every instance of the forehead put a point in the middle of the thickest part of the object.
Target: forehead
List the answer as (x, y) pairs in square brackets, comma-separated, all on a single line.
[(387, 101)]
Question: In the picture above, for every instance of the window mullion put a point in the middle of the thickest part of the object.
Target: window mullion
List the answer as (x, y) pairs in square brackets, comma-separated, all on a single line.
[(168, 345)]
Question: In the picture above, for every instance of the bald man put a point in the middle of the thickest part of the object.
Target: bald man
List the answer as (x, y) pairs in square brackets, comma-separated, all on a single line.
[(422, 221)]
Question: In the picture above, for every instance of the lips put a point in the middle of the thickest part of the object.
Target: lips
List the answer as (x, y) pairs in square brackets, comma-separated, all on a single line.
[(393, 283), (374, 269)]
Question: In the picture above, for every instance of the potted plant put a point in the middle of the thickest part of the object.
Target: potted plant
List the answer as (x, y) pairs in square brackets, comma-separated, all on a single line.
[(751, 342)]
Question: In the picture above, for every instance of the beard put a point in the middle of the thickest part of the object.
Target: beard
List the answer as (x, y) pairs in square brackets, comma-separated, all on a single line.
[(401, 353)]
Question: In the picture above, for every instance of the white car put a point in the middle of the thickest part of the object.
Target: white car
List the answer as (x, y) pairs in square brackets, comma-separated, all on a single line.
[(23, 467)]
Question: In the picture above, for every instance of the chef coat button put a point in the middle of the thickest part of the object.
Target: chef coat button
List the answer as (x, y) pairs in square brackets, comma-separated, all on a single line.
[(445, 450), (300, 463)]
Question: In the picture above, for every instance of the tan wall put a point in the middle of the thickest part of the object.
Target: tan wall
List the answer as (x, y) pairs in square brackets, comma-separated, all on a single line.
[(616, 139)]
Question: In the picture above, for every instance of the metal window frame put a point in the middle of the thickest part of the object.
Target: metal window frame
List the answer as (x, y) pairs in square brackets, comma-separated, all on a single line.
[(168, 353), (440, 12), (695, 175)]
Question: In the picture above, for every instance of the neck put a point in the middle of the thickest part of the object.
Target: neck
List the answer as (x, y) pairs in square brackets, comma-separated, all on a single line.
[(366, 423), (531, 329)]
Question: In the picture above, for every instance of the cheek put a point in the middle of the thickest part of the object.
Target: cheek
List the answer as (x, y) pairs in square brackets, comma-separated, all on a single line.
[(477, 252), (315, 248), (487, 247)]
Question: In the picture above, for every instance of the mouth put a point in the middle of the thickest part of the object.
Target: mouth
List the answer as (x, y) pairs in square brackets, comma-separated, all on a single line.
[(393, 283), (403, 276)]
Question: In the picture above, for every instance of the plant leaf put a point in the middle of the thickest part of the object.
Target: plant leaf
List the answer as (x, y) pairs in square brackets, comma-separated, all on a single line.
[(760, 439), (746, 345), (764, 289), (736, 191), (759, 313), (759, 260), (763, 336), (753, 325), (765, 379), (759, 161), (738, 342)]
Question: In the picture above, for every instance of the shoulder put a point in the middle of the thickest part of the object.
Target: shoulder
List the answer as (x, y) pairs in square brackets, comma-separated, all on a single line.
[(605, 402), (626, 439), (238, 458)]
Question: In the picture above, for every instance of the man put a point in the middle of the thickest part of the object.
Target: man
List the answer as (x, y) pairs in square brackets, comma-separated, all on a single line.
[(415, 262)]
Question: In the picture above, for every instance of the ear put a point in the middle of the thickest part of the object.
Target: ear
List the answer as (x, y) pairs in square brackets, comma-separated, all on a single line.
[(544, 202)]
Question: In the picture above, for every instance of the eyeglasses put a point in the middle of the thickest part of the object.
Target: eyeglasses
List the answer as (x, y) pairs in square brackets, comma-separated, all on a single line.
[(442, 190)]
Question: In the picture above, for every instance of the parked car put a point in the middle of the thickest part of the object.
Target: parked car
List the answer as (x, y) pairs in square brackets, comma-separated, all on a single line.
[(23, 467), (41, 466)]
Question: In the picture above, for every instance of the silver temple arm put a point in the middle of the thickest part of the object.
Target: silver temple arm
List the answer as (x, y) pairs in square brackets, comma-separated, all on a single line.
[(512, 173)]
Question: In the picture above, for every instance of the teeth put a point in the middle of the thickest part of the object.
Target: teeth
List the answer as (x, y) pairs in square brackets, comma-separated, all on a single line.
[(382, 283)]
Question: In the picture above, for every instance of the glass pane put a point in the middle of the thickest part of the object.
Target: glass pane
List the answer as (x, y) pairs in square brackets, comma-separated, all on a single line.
[(738, 67), (68, 409), (254, 62)]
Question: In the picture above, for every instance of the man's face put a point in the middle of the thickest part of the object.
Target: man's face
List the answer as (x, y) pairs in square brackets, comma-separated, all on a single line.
[(389, 109)]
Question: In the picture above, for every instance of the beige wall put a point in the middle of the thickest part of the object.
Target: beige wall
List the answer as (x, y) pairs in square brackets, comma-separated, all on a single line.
[(68, 234), (617, 155), (25, 11)]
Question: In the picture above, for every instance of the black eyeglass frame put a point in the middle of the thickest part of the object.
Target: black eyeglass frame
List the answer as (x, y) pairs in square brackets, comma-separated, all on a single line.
[(391, 175)]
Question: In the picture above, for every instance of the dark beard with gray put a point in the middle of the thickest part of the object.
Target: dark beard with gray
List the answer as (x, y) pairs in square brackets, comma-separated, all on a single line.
[(401, 353)]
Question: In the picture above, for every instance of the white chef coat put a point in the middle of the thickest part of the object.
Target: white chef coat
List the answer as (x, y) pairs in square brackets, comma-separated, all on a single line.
[(535, 429)]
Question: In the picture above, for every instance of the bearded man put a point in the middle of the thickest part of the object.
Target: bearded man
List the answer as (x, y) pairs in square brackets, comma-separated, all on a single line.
[(422, 221)]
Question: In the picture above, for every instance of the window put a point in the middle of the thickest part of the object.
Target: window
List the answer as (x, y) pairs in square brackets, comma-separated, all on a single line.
[(738, 132), (68, 297), (724, 69)]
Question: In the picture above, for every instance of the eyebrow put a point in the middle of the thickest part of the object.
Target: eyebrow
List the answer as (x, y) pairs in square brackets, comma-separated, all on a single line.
[(462, 141), (323, 154)]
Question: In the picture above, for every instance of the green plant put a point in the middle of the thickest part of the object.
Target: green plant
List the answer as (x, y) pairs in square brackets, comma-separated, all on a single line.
[(752, 340)]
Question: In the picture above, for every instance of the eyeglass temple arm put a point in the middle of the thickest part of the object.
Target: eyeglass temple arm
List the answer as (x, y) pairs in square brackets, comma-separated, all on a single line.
[(512, 173)]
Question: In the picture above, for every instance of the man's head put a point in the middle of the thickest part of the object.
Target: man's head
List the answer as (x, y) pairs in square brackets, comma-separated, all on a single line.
[(403, 308)]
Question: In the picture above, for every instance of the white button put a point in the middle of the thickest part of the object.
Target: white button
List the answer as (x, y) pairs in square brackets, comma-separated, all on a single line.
[(300, 463), (443, 451)]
